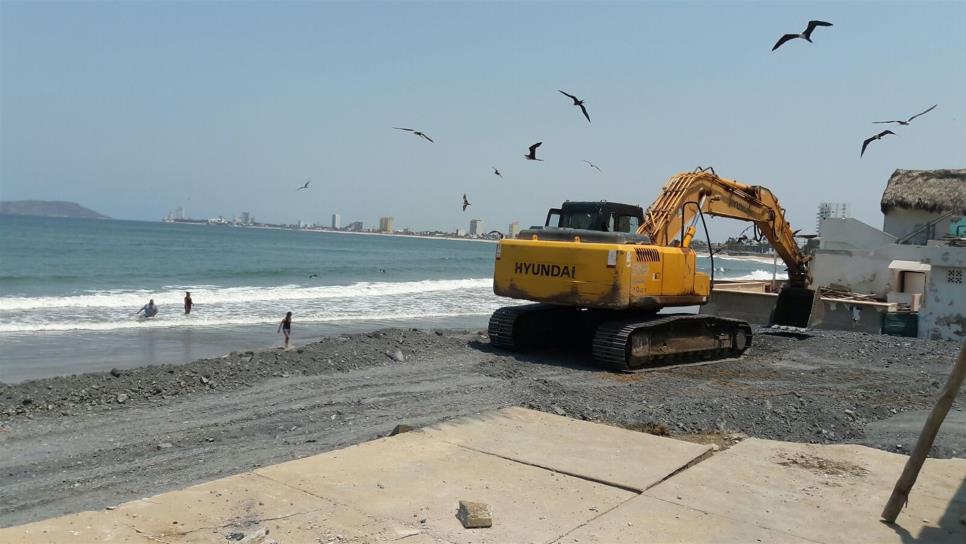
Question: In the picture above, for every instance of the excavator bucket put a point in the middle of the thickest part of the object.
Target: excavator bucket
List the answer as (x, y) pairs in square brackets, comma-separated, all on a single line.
[(794, 307)]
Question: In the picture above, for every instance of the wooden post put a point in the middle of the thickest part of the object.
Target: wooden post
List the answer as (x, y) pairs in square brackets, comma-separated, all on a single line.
[(900, 494)]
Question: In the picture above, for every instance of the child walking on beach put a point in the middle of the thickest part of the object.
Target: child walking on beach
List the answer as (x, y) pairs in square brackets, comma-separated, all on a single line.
[(285, 327)]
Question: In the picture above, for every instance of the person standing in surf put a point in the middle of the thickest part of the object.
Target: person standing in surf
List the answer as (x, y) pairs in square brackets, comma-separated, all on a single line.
[(187, 303), (285, 327)]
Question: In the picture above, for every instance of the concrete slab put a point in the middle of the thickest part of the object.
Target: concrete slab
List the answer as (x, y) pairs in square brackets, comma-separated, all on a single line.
[(816, 494), (414, 476), (646, 519), (82, 528), (619, 457)]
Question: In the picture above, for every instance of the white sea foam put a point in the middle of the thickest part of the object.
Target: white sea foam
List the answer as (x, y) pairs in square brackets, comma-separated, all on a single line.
[(756, 275), (226, 295)]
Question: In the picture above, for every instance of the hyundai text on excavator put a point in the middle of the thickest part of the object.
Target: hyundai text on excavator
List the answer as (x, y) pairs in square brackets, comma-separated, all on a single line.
[(601, 271)]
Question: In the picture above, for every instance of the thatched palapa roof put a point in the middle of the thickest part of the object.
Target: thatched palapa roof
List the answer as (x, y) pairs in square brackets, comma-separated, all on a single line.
[(927, 190)]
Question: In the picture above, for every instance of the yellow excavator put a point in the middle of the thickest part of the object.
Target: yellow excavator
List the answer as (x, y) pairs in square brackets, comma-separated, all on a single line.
[(601, 271)]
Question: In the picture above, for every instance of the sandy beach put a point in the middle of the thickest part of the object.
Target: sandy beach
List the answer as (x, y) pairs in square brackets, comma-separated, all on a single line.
[(98, 439)]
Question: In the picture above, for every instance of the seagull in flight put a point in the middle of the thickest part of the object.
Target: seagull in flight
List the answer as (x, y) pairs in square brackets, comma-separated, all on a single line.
[(466, 203), (909, 120), (592, 165), (497, 172), (878, 136), (807, 35), (532, 155), (306, 186), (577, 102), (416, 132)]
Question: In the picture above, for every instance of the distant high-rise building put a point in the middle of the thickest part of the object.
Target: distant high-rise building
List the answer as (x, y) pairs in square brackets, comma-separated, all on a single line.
[(355, 226), (829, 210), (179, 212), (514, 229), (336, 221), (387, 224), (246, 218), (476, 227), (460, 233)]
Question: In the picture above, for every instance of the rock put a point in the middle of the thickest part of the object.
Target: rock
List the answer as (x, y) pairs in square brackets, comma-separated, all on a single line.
[(27, 402), (205, 380), (116, 373), (401, 428), (474, 515), (165, 445), (398, 356), (121, 398)]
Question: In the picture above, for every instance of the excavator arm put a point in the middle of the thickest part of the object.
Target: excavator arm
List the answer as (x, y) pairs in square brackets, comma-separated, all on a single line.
[(673, 215)]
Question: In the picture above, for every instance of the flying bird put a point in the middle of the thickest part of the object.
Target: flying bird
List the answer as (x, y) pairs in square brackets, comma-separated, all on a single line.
[(807, 35), (532, 155), (466, 203), (497, 172), (577, 102), (306, 186), (416, 132), (909, 120), (878, 136), (592, 165)]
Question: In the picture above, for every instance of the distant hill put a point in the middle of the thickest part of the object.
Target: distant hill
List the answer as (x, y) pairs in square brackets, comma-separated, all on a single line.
[(48, 208)]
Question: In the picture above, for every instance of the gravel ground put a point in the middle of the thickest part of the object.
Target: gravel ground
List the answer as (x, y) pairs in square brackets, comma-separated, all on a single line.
[(84, 442)]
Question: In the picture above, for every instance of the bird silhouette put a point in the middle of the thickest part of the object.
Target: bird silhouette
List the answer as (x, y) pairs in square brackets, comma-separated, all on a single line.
[(466, 203), (807, 35), (592, 165), (416, 132), (909, 120), (532, 155), (497, 172), (579, 103), (306, 186), (869, 140)]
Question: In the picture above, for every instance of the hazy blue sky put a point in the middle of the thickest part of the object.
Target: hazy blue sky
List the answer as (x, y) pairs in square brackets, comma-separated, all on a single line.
[(133, 108)]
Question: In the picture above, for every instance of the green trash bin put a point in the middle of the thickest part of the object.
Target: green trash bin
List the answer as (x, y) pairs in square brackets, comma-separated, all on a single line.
[(901, 324)]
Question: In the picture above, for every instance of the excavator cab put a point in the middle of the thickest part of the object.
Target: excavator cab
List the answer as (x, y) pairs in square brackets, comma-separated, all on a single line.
[(602, 222)]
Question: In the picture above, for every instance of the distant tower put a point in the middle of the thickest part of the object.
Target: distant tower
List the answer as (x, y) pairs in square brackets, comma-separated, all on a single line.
[(514, 229), (476, 227), (336, 221), (179, 212), (246, 218), (387, 224), (829, 210)]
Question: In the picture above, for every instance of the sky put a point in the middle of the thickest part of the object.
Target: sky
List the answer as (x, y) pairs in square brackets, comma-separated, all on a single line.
[(134, 108)]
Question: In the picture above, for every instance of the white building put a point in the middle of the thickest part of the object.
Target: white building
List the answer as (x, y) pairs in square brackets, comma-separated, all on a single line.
[(513, 230), (914, 260), (476, 227), (336, 221), (179, 212)]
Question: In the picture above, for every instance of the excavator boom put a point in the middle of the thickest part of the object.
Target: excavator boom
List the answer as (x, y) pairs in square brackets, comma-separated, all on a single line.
[(685, 194)]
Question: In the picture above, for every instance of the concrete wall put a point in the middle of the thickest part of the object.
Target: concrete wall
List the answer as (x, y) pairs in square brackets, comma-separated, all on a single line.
[(848, 233), (861, 270), (943, 311), (828, 314), (900, 222)]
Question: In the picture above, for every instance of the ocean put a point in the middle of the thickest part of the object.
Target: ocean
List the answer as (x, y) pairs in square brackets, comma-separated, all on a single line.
[(69, 289)]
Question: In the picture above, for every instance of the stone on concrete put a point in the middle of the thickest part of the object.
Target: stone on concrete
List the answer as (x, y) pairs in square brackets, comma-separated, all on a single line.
[(424, 478), (474, 515)]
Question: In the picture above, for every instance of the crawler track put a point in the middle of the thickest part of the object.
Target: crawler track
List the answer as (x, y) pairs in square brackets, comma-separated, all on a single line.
[(619, 341)]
